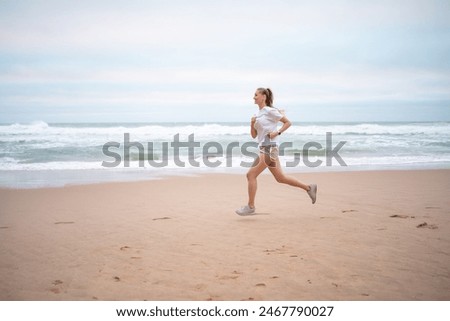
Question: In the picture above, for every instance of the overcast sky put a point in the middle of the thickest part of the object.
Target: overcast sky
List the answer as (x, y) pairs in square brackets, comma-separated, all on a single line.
[(164, 61)]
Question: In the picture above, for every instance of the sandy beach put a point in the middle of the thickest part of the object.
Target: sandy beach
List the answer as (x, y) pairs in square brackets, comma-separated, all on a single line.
[(374, 235)]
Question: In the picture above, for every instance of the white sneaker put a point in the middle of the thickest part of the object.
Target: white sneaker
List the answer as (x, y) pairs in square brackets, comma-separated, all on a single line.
[(245, 210), (312, 192)]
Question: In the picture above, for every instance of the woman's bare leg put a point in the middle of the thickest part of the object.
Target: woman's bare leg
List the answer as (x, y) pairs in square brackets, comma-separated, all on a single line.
[(279, 175), (257, 168)]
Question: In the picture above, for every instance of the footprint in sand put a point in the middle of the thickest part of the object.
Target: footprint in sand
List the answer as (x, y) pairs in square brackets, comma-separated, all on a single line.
[(399, 216), (200, 287), (126, 248), (426, 225), (161, 218), (260, 285), (116, 278), (56, 289), (348, 211), (281, 250), (64, 222)]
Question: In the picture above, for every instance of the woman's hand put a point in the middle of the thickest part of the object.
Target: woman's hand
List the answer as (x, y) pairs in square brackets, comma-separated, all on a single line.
[(272, 135), (253, 120)]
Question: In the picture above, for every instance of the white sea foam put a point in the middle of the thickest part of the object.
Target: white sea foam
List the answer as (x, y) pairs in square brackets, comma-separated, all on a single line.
[(164, 131), (39, 146)]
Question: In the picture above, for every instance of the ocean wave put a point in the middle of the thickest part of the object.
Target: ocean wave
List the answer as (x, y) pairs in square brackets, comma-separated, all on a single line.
[(77, 135), (30, 128), (161, 131), (18, 166), (234, 162), (373, 129), (39, 145)]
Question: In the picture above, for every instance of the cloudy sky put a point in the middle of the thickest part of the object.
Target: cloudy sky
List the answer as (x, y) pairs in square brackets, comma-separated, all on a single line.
[(164, 61)]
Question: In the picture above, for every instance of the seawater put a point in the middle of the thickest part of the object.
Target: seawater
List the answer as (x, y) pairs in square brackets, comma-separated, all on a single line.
[(48, 154)]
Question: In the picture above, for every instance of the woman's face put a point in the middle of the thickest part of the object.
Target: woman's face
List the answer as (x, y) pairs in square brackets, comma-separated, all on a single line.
[(259, 98)]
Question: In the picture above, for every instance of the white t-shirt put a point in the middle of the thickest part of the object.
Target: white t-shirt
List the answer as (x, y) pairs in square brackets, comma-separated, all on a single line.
[(266, 122)]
